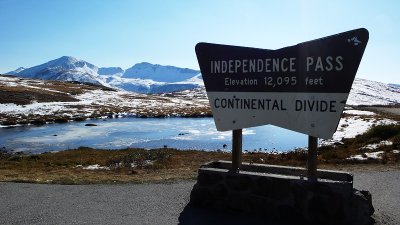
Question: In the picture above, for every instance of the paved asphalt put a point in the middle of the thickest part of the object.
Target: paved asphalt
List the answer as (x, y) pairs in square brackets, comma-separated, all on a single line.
[(385, 190), (153, 203)]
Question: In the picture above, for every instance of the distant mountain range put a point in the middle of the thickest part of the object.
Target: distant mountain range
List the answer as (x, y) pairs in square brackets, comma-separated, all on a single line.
[(152, 78), (141, 78)]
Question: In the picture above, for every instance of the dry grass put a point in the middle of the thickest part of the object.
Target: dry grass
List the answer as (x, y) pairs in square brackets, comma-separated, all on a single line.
[(166, 164), (61, 167), (24, 96), (338, 154), (46, 91)]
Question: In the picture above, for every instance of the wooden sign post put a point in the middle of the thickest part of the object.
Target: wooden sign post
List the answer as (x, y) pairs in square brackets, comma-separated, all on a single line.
[(312, 159), (236, 150)]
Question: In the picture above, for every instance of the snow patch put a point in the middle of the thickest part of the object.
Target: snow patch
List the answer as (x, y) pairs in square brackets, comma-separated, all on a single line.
[(375, 146), (359, 112), (366, 156), (93, 167), (350, 127)]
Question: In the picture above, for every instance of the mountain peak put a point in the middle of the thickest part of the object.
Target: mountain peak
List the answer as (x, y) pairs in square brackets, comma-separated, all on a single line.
[(65, 60), (20, 68), (16, 71), (68, 57), (145, 64), (65, 68)]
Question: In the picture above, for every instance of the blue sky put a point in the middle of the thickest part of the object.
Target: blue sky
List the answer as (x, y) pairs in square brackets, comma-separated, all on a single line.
[(122, 33)]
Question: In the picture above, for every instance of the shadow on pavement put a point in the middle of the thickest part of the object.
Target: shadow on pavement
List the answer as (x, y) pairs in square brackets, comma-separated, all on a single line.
[(200, 216)]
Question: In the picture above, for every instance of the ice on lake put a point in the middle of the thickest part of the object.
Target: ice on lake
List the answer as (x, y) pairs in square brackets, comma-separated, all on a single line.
[(181, 133)]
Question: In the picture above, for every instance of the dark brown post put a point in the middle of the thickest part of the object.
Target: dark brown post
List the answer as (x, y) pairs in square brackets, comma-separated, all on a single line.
[(236, 150), (312, 159)]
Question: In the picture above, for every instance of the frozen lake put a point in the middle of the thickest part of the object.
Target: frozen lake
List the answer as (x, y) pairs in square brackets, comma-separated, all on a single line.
[(181, 133)]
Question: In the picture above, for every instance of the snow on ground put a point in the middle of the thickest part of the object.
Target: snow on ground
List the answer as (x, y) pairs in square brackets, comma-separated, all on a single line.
[(350, 127), (119, 81), (47, 108), (359, 112), (99, 98), (93, 100), (372, 155), (93, 167), (9, 81), (367, 155), (377, 145)]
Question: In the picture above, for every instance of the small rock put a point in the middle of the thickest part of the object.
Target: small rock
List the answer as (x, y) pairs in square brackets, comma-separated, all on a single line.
[(61, 120)]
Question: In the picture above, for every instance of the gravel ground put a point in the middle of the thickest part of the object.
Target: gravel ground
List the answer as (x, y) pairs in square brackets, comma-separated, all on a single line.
[(153, 203)]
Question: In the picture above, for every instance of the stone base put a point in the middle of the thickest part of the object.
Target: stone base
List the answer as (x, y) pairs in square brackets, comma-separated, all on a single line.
[(282, 193)]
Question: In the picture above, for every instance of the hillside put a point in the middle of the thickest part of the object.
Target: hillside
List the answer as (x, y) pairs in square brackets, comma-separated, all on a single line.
[(367, 92), (25, 100)]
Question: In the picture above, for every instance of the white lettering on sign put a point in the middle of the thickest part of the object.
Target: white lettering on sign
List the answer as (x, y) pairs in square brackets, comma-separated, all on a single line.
[(268, 65), (314, 81), (240, 82), (276, 65), (319, 64)]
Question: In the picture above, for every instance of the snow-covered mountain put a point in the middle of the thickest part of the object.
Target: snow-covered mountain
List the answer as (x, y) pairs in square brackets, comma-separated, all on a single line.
[(142, 77), (153, 78), (66, 68), (159, 73), (367, 92)]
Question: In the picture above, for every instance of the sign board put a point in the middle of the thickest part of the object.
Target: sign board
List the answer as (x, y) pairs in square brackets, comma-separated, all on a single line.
[(302, 87)]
